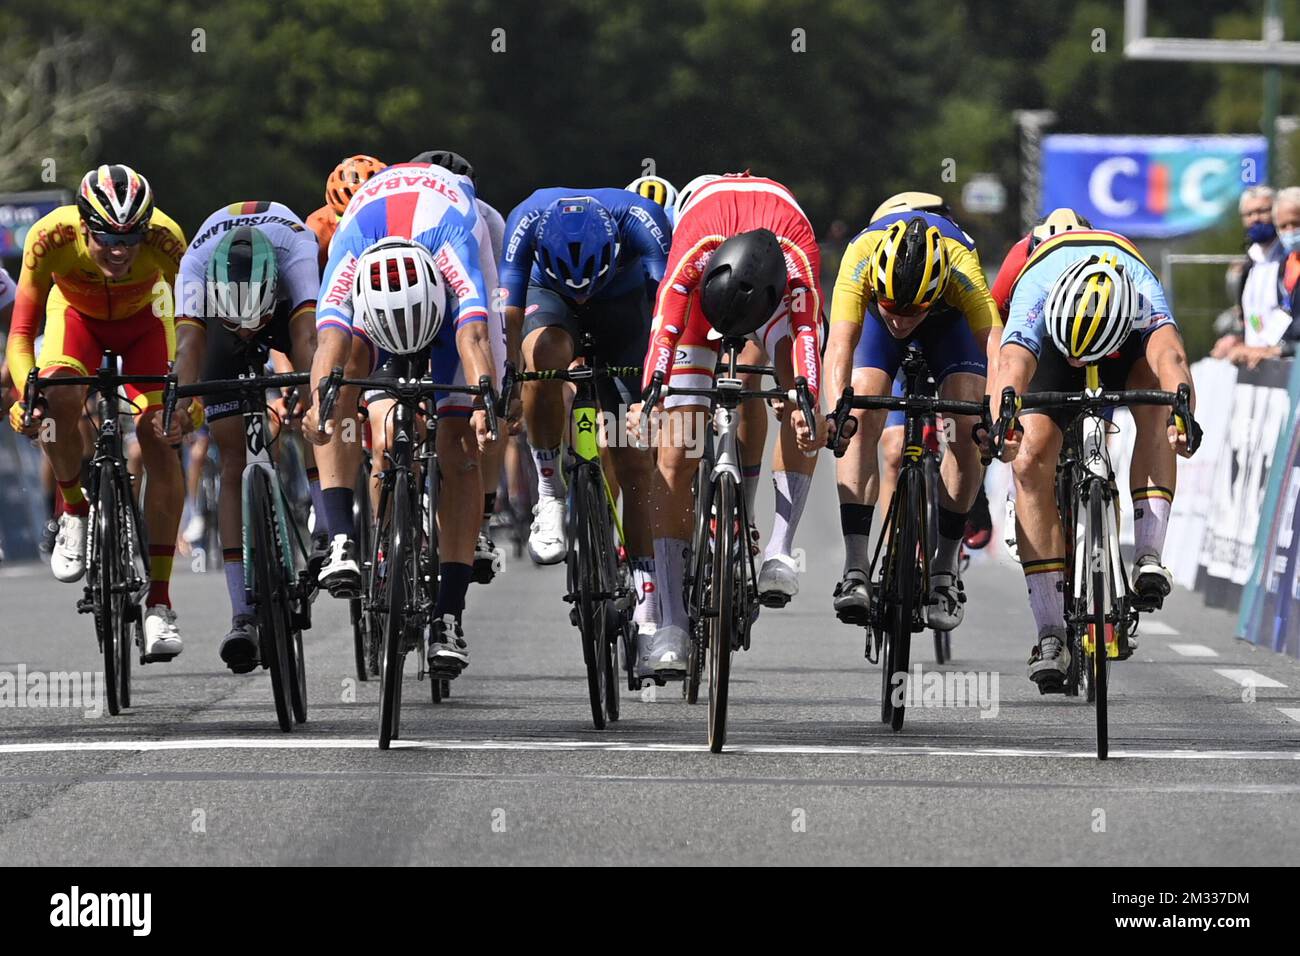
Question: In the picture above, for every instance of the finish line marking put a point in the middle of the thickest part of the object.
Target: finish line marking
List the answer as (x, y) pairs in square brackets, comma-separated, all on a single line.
[(524, 746)]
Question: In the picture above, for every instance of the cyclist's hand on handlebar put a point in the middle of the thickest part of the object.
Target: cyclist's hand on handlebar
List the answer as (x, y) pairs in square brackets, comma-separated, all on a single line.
[(809, 442), (1182, 429), (515, 415), (482, 433), (634, 424), (16, 411), (311, 427), (837, 440)]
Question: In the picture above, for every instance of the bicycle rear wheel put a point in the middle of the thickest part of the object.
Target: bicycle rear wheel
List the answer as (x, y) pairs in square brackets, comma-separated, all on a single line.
[(720, 616), (111, 627), (269, 596), (1099, 563), (399, 559), (699, 586), (363, 535)]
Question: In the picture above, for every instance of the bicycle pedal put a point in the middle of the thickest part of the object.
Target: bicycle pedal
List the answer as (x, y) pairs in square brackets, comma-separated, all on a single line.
[(773, 599), (86, 606), (856, 618)]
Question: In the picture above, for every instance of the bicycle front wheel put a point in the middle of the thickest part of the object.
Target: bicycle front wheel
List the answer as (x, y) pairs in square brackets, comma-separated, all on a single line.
[(589, 584), (720, 616), (363, 534), (398, 561), (904, 564), (269, 595), (1099, 563), (109, 585)]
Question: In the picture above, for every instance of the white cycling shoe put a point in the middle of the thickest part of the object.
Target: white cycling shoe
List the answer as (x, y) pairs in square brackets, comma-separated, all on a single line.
[(777, 581), (546, 544), (672, 646), (645, 645), (162, 639), (68, 559)]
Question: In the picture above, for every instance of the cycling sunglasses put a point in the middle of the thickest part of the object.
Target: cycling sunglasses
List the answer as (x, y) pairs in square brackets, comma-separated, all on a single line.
[(117, 238)]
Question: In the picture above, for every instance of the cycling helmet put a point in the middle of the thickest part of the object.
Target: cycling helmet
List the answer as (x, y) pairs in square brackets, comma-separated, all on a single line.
[(347, 178), (655, 188), (445, 158), (684, 197), (1091, 308), (577, 245), (1057, 221), (115, 200), (911, 202), (744, 283), (241, 279), (909, 268), (399, 295)]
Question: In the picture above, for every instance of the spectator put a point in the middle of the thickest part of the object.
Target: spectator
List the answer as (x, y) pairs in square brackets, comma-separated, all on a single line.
[(1270, 308), (1256, 209)]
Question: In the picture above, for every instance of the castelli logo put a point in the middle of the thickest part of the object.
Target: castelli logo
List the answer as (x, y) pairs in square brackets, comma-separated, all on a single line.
[(47, 242)]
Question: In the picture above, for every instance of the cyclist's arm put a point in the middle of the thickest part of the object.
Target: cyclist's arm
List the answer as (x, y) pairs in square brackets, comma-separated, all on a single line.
[(848, 307), (333, 315), (461, 269), (34, 283), (805, 318), (302, 339), (1168, 359)]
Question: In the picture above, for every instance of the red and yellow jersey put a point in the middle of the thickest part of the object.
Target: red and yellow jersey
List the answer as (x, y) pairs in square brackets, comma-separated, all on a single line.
[(55, 254), (324, 222)]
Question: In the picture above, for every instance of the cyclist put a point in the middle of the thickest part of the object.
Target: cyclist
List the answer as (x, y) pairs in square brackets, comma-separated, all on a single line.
[(911, 277), (99, 273), (745, 261), (584, 260), (248, 286), (1084, 296), (347, 177), (656, 189), (405, 272), (486, 555)]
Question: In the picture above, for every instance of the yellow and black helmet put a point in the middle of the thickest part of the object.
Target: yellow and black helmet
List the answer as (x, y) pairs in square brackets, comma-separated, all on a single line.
[(1091, 308), (909, 269), (655, 188)]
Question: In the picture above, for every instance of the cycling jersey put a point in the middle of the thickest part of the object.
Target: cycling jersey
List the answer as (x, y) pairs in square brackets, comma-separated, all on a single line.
[(1012, 266), (295, 257), (644, 236), (427, 204), (323, 223), (55, 256), (1027, 325), (718, 210), (967, 292)]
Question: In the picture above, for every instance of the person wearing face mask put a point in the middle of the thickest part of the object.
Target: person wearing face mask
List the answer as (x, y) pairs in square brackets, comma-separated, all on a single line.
[(1270, 312), (1256, 209)]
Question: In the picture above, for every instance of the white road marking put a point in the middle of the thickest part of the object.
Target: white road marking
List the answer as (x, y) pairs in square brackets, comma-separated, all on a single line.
[(22, 571), (1248, 678), (1193, 650), (347, 743), (1292, 712), (1156, 629)]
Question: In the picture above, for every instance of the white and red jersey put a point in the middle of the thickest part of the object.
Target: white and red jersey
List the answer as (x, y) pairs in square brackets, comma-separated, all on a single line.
[(717, 211)]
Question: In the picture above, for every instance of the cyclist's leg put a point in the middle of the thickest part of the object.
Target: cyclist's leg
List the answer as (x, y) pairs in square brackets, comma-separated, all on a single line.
[(876, 361), (792, 473), (486, 554), (1153, 474), (621, 328), (753, 425), (549, 334), (69, 347), (147, 345), (460, 496), (672, 500), (337, 462), (959, 366), (1042, 540)]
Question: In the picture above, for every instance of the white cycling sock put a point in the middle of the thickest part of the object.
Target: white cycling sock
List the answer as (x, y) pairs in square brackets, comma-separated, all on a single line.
[(670, 562), (1046, 581), (647, 596), (791, 495), (749, 477), (1151, 507), (549, 480)]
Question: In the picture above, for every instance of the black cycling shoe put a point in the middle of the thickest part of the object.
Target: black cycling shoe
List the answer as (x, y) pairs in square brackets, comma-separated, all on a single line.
[(239, 648), (486, 560), (852, 599)]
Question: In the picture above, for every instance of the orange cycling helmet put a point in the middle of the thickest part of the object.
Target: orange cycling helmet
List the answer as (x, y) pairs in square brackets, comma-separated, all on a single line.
[(347, 177)]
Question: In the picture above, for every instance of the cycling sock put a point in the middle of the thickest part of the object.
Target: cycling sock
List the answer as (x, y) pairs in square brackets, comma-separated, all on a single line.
[(1151, 507), (74, 499), (855, 524), (952, 528), (160, 574), (453, 584), (1046, 581), (233, 559), (549, 481), (791, 495), (647, 597), (749, 478), (670, 560), (489, 509), (317, 501), (337, 504)]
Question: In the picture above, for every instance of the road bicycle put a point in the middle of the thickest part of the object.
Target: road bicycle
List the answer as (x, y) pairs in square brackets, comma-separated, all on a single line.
[(117, 542)]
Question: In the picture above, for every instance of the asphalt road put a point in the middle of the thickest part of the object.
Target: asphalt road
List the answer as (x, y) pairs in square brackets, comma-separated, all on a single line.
[(1205, 769)]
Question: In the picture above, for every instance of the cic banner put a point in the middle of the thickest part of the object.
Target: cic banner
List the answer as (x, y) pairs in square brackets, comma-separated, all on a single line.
[(1155, 186)]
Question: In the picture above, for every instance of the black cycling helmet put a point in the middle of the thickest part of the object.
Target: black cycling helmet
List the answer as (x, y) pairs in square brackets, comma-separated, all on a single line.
[(445, 158), (744, 283)]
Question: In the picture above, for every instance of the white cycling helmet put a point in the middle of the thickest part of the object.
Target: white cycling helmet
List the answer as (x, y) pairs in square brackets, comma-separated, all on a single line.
[(684, 197), (399, 295), (655, 188), (1091, 308)]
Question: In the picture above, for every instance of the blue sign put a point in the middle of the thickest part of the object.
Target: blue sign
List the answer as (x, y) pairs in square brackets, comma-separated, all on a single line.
[(18, 211), (1154, 186)]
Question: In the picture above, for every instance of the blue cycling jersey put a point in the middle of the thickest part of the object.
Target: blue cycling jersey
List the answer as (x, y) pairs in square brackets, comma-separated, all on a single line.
[(1027, 323), (644, 235)]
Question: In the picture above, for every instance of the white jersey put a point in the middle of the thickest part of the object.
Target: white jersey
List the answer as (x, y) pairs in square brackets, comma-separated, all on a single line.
[(491, 241), (296, 253)]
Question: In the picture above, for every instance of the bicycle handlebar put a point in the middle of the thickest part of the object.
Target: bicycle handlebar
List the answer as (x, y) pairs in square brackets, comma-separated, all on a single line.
[(406, 390), (104, 379), (249, 383)]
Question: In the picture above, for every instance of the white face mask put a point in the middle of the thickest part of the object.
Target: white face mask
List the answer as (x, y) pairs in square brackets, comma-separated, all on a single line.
[(1290, 240)]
